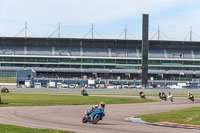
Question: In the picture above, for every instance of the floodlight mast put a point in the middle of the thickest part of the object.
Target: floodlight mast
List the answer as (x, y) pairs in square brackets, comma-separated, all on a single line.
[(59, 30), (25, 30), (92, 31), (158, 32), (125, 32), (190, 33)]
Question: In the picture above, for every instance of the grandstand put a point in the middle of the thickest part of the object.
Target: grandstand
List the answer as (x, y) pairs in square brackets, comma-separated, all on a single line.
[(99, 58)]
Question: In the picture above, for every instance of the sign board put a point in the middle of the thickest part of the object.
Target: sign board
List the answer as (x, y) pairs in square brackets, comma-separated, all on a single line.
[(91, 82)]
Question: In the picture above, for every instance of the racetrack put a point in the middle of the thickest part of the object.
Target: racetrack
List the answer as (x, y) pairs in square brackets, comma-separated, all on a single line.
[(69, 117)]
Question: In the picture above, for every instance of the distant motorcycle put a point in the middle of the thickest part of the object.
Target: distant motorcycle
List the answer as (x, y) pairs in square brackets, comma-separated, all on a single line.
[(84, 93), (94, 117), (142, 96), (163, 96), (4, 90), (170, 97), (191, 97)]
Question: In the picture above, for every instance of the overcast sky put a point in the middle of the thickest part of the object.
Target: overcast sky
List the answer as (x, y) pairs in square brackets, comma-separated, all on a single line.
[(175, 17)]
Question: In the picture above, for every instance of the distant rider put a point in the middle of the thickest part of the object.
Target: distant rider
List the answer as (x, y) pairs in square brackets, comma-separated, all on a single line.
[(189, 95), (82, 90), (159, 94), (141, 92), (163, 94), (169, 95)]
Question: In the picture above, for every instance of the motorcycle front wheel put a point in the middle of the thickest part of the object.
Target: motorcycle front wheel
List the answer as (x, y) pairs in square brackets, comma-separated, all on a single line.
[(96, 119)]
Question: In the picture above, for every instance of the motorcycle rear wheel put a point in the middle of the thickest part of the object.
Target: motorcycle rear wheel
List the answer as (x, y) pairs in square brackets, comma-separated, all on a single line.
[(85, 120)]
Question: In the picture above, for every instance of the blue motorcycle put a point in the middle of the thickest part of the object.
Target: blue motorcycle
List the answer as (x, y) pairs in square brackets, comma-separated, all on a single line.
[(84, 93), (94, 117)]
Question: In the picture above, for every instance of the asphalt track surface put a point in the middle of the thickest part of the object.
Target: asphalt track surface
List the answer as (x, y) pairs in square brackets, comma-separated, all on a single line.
[(69, 117)]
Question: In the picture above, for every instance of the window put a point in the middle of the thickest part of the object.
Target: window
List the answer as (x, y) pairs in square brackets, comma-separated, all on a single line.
[(18, 59), (42, 59), (53, 60), (111, 61)]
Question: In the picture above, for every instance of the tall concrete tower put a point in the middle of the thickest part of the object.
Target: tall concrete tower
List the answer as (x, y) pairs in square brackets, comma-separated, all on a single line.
[(145, 48)]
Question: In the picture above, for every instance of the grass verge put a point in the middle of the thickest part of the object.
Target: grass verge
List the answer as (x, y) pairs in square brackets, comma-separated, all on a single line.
[(16, 99), (8, 80), (196, 95), (18, 129), (185, 116)]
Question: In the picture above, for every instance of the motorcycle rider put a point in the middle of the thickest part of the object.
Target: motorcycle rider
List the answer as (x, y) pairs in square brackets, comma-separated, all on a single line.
[(141, 92), (163, 95), (190, 95), (101, 105), (82, 90), (159, 94), (170, 96), (98, 106)]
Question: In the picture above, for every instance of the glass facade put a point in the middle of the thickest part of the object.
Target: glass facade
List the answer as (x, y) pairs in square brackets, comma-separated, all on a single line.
[(7, 73), (112, 57), (87, 63)]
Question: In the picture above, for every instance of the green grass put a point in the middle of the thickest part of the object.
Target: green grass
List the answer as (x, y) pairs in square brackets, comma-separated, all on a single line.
[(17, 99), (196, 95), (8, 80), (18, 129), (185, 116)]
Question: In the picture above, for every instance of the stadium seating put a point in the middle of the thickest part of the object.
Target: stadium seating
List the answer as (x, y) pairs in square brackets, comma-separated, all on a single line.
[(19, 50), (66, 50), (38, 50), (156, 53), (123, 52), (179, 53), (103, 52), (197, 54)]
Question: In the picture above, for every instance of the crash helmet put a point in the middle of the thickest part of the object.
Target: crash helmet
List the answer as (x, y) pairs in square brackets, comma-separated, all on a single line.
[(102, 104)]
